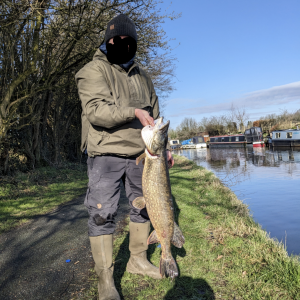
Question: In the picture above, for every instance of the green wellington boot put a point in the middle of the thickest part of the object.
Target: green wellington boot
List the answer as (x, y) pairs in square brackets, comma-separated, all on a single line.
[(102, 249), (138, 263)]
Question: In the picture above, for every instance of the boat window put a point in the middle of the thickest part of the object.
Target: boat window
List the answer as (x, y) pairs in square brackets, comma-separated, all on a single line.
[(175, 142), (229, 139), (242, 138), (226, 139), (253, 131), (289, 135), (222, 140), (277, 135), (212, 140), (247, 131), (236, 138)]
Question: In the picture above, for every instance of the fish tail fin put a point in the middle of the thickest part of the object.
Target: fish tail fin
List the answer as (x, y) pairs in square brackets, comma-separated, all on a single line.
[(168, 267), (178, 238)]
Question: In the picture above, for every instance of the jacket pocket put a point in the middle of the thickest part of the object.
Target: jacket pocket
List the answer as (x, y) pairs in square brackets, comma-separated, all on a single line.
[(95, 136)]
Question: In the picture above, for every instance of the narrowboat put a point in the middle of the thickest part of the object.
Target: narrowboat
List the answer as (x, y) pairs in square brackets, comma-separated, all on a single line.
[(286, 138), (254, 136), (174, 144), (199, 142), (196, 142), (228, 141), (188, 144)]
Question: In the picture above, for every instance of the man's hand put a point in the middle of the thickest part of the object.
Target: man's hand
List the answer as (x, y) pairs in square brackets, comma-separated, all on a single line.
[(170, 159), (144, 117)]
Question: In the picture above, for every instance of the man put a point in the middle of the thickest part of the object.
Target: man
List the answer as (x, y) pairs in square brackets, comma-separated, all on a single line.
[(118, 99)]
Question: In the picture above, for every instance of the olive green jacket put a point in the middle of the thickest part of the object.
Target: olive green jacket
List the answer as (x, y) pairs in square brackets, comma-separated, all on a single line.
[(109, 96)]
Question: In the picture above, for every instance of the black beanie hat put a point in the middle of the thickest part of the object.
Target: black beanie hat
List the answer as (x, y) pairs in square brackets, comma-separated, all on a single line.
[(120, 25)]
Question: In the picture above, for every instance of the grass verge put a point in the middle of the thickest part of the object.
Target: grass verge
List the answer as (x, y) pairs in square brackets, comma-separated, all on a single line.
[(27, 195), (226, 254)]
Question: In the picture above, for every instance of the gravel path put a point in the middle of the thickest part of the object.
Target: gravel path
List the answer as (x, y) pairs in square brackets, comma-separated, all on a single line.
[(33, 257)]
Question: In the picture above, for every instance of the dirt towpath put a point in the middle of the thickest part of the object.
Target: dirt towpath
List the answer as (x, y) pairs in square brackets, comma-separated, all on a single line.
[(33, 257)]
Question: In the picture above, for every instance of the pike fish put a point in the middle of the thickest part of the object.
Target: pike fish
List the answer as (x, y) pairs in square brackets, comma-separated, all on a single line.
[(157, 197)]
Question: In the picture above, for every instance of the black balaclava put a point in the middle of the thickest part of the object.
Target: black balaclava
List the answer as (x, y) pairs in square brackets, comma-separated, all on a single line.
[(123, 50)]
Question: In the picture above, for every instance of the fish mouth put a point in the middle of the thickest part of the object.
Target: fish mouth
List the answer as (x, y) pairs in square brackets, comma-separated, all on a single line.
[(160, 126), (158, 122), (148, 132), (164, 127)]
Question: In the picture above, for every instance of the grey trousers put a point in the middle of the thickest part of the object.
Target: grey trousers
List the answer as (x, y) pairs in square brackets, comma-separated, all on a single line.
[(102, 198)]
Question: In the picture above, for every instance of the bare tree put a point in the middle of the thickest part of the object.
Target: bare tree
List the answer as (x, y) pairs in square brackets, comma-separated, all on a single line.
[(172, 134), (187, 128), (44, 43), (240, 115)]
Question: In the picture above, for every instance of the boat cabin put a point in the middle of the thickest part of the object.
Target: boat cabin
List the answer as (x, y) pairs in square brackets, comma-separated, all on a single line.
[(198, 140), (237, 140), (174, 144), (286, 138), (253, 134)]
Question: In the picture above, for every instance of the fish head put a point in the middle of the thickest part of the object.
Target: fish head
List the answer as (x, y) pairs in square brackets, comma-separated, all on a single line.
[(156, 137)]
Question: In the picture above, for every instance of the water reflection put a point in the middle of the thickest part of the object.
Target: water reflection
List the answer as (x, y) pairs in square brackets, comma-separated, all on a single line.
[(268, 180)]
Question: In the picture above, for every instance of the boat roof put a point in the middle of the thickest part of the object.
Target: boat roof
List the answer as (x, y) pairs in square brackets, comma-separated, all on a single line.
[(285, 130), (227, 135)]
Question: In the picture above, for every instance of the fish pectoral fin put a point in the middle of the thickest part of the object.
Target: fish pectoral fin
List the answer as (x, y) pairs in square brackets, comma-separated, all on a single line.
[(141, 157), (178, 238), (152, 239), (139, 203)]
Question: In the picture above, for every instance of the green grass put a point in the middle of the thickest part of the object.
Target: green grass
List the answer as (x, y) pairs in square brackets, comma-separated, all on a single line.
[(226, 254), (27, 195)]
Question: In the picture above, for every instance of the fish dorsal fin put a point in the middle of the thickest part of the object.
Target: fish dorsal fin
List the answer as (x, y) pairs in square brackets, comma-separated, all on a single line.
[(139, 203), (141, 157), (178, 238), (152, 239)]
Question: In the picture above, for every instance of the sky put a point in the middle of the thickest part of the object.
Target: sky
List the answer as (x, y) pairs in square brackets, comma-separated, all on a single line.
[(241, 52)]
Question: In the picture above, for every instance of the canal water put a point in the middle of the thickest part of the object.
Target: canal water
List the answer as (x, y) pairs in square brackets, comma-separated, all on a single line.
[(267, 180)]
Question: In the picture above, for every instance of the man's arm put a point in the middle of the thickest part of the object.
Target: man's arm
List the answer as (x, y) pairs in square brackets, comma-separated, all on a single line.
[(97, 101), (154, 102), (155, 105)]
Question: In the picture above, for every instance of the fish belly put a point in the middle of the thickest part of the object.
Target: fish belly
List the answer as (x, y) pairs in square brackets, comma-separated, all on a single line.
[(157, 194)]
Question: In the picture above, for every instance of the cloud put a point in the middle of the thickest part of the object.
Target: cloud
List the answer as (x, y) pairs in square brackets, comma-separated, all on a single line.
[(277, 95)]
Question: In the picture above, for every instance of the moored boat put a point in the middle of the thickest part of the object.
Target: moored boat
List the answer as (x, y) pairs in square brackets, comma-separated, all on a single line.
[(174, 144), (228, 141), (188, 144), (286, 138), (199, 142), (254, 136)]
